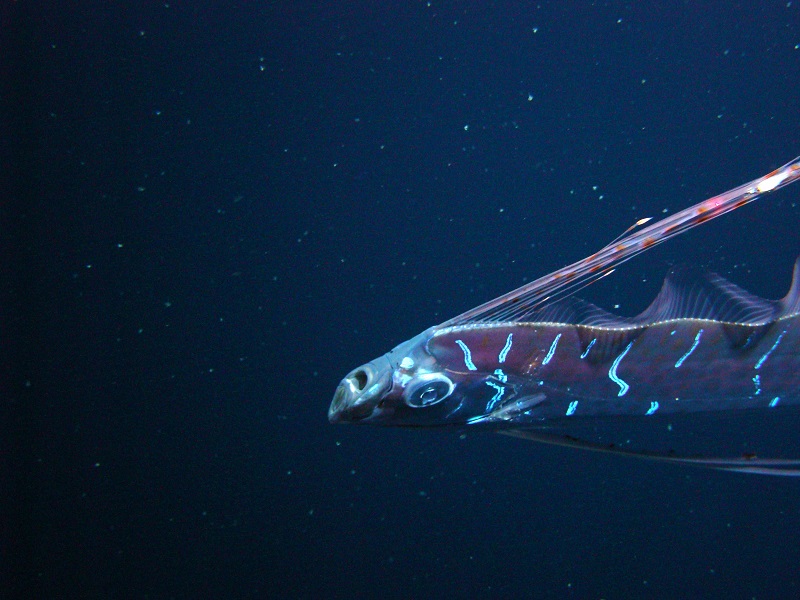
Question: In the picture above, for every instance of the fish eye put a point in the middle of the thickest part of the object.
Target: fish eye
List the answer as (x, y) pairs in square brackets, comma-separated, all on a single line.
[(427, 390)]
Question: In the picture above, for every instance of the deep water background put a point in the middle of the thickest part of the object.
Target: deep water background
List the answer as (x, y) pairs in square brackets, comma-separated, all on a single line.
[(211, 212)]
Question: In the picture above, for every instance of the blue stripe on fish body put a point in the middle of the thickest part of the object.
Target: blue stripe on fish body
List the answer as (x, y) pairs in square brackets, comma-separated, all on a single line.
[(506, 349), (467, 356), (770, 351), (552, 350), (499, 390), (692, 349), (612, 372)]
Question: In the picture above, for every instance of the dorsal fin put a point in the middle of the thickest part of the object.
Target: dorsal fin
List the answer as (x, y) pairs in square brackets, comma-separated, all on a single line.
[(579, 312), (690, 293), (791, 301), (687, 293), (576, 311)]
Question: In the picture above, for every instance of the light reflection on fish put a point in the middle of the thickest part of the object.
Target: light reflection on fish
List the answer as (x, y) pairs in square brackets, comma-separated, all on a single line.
[(708, 374)]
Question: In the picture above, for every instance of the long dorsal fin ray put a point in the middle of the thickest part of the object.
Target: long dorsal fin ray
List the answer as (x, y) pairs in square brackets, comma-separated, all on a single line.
[(516, 304), (687, 293)]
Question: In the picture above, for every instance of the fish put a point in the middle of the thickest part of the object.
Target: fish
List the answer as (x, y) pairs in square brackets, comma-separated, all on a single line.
[(708, 375)]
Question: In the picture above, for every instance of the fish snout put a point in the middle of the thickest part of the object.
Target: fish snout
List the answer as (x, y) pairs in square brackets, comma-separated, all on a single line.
[(360, 392)]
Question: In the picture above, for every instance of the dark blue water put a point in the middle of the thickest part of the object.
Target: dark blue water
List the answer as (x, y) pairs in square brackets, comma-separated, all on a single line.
[(212, 212)]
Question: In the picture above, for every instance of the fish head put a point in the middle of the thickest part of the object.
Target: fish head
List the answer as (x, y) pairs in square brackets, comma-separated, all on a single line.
[(404, 387), (418, 385)]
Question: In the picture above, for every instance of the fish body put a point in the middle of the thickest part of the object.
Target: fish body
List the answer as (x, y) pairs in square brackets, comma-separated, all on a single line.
[(541, 364)]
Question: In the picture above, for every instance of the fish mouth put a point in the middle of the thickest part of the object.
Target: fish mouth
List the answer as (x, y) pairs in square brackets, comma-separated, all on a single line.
[(359, 393)]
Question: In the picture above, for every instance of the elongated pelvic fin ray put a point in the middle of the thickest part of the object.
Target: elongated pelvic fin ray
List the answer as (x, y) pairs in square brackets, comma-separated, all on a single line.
[(754, 465)]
